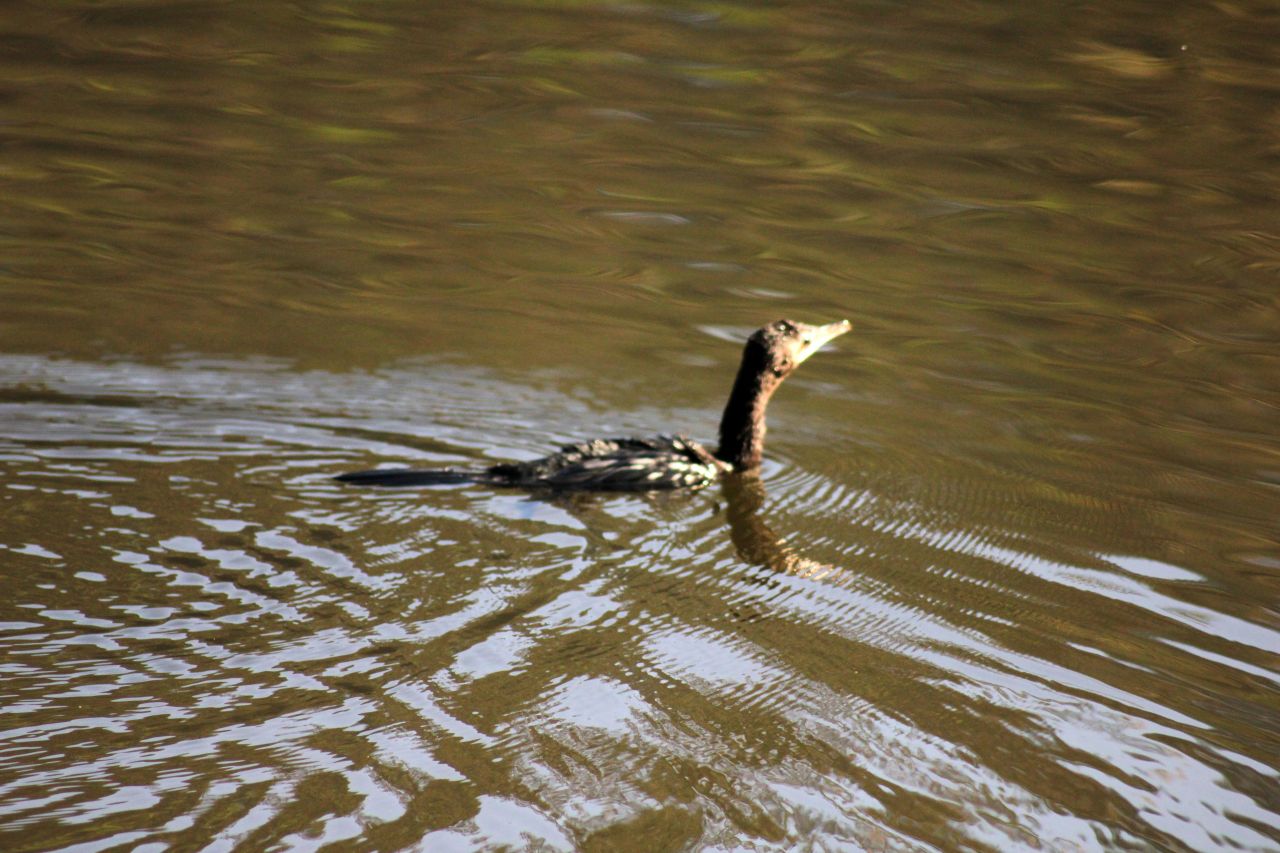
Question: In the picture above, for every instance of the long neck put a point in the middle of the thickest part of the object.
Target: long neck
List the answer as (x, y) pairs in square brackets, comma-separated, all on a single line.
[(742, 425)]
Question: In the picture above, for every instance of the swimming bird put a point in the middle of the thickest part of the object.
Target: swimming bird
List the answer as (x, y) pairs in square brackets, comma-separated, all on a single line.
[(663, 462)]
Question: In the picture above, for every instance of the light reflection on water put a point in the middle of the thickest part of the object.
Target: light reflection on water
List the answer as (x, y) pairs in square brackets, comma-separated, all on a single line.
[(1008, 579), (245, 647)]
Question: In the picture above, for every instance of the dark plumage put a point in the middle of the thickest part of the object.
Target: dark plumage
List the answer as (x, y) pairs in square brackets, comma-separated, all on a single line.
[(665, 462)]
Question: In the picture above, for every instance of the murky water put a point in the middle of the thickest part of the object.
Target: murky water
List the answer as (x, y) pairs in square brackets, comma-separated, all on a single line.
[(1009, 579)]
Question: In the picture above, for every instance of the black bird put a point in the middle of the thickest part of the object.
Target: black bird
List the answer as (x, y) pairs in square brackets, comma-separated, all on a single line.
[(665, 462)]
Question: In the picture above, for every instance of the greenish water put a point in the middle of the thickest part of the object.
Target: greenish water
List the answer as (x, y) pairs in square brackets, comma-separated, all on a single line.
[(1009, 579)]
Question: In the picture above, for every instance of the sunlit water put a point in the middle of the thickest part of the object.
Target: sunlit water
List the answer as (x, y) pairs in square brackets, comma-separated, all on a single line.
[(1009, 579)]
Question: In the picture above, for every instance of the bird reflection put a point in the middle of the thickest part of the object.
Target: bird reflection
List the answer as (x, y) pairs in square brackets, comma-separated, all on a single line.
[(755, 541)]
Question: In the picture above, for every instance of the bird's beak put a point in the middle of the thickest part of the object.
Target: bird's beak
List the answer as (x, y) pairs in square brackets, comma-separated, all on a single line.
[(813, 338)]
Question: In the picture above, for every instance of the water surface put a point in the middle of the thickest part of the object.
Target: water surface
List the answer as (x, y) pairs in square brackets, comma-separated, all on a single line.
[(1008, 579)]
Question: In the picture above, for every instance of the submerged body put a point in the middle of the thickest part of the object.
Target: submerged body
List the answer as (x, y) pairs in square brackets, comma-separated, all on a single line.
[(664, 462)]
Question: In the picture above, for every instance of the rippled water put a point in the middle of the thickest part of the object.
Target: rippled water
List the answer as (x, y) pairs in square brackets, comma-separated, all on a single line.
[(1008, 580)]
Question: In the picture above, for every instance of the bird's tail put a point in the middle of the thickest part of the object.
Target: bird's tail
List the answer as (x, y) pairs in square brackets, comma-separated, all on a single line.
[(411, 477)]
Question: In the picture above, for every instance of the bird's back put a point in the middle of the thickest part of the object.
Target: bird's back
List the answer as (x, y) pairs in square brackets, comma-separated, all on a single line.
[(619, 464)]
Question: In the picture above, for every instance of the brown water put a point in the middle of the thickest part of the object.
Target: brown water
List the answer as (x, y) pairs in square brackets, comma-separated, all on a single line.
[(1010, 579)]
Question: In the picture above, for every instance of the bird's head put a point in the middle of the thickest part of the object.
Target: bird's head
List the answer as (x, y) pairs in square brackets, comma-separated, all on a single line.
[(787, 343)]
